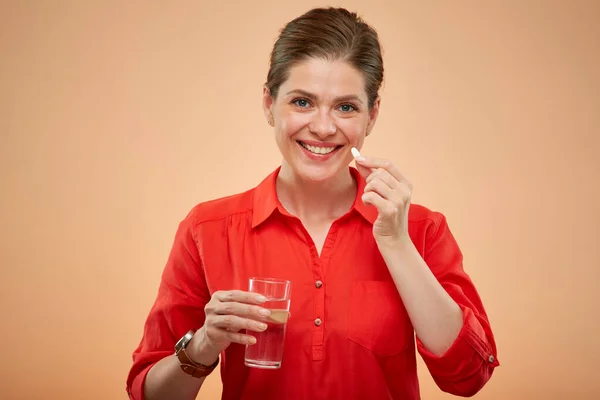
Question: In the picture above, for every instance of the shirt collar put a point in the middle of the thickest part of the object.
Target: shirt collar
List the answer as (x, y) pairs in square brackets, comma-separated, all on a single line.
[(266, 201)]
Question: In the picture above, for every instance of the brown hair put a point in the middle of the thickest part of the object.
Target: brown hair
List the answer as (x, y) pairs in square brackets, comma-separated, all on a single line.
[(329, 33)]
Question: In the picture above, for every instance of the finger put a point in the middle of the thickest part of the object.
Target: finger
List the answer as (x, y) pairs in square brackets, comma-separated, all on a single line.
[(384, 207), (222, 336), (233, 323), (374, 163), (240, 296), (390, 180), (384, 176), (388, 187), (374, 199), (235, 337), (363, 171), (242, 310), (381, 188), (247, 304)]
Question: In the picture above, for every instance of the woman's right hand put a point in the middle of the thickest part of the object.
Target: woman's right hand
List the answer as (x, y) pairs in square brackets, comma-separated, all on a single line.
[(228, 313)]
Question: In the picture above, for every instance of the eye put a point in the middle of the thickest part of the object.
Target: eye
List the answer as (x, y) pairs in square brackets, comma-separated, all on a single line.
[(346, 108), (302, 103)]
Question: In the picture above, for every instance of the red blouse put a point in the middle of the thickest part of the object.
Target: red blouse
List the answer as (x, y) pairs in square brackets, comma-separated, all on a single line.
[(349, 335)]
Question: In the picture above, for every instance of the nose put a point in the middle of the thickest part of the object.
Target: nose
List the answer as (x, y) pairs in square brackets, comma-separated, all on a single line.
[(322, 124)]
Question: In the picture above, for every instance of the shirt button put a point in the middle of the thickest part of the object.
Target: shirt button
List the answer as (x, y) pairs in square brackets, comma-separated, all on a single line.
[(318, 284), (318, 322), (491, 358)]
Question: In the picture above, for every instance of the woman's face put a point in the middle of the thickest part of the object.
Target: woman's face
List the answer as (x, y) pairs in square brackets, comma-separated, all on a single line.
[(320, 113)]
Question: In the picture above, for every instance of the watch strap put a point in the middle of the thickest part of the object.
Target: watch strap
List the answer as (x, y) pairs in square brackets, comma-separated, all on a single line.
[(190, 367)]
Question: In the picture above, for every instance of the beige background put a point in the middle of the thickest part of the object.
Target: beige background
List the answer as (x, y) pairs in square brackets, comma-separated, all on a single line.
[(117, 117)]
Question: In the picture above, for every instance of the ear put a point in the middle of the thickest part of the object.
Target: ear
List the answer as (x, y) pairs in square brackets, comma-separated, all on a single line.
[(268, 103), (373, 114)]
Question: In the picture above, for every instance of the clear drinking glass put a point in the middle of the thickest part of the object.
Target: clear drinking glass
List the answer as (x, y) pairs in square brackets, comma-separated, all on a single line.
[(267, 352)]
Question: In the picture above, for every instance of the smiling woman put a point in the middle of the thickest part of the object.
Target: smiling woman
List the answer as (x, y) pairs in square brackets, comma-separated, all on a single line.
[(368, 268), (320, 112)]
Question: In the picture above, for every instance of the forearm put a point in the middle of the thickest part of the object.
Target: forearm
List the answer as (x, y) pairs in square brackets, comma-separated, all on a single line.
[(435, 316), (167, 381)]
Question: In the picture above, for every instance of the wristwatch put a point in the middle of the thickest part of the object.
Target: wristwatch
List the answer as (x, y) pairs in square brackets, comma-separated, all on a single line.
[(189, 366)]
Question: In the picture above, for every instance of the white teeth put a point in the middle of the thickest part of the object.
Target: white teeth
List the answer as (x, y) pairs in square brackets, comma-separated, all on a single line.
[(317, 150)]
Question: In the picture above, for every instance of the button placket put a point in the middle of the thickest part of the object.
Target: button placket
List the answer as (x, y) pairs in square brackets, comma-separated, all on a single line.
[(319, 310), (319, 263)]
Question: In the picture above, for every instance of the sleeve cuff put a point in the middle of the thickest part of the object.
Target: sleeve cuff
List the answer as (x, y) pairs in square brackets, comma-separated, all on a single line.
[(136, 389), (470, 348)]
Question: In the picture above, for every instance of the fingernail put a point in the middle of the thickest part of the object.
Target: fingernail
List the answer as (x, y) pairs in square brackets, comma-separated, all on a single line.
[(262, 327), (252, 340), (264, 312), (260, 298)]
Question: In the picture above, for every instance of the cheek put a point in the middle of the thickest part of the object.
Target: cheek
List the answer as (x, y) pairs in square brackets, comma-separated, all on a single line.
[(293, 122), (352, 129)]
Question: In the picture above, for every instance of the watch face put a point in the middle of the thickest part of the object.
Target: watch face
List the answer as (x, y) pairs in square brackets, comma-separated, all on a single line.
[(182, 343)]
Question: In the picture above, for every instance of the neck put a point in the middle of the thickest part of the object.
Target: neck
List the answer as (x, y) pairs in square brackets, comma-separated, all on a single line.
[(315, 201)]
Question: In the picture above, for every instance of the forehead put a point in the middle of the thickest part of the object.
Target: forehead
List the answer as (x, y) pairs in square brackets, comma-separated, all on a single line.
[(325, 78)]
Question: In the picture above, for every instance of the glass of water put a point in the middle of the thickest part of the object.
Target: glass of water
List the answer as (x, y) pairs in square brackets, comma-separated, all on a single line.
[(267, 352)]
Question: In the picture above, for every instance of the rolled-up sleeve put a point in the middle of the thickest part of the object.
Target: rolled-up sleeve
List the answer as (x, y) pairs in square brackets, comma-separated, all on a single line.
[(178, 307), (470, 361)]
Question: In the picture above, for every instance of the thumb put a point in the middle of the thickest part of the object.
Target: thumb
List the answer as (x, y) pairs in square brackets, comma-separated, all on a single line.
[(363, 171)]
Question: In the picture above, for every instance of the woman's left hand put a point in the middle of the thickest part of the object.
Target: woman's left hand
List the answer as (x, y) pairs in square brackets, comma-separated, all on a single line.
[(388, 191)]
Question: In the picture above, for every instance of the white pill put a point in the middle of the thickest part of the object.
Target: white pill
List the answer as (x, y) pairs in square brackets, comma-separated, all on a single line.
[(355, 152)]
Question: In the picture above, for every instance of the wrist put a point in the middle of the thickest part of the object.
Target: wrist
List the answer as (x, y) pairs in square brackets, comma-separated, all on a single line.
[(396, 244), (200, 351)]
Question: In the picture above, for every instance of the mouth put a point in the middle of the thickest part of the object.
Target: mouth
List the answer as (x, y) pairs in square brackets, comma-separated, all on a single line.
[(319, 150)]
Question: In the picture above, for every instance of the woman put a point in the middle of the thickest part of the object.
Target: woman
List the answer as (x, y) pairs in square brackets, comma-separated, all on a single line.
[(368, 271)]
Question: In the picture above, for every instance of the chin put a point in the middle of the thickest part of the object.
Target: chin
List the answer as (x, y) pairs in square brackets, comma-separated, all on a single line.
[(317, 173)]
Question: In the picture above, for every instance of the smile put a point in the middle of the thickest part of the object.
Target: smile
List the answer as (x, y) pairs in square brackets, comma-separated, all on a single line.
[(318, 150)]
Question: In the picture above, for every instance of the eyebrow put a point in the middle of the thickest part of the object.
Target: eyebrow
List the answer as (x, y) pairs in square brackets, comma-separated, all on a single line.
[(350, 97)]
